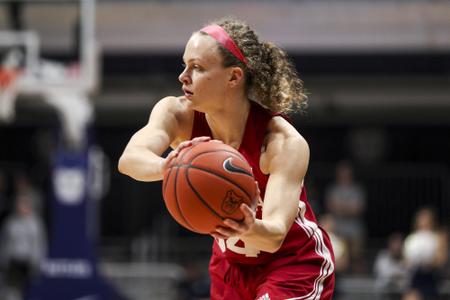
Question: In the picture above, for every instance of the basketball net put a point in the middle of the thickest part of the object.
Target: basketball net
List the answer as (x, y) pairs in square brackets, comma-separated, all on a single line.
[(75, 111), (9, 74)]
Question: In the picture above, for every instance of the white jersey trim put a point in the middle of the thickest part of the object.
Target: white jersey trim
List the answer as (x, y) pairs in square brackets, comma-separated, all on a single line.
[(327, 267)]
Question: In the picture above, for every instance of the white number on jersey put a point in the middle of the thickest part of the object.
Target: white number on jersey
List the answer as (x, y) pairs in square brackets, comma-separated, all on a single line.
[(231, 245)]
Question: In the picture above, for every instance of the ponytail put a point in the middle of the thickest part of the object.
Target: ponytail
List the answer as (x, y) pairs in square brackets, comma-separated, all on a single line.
[(271, 77), (275, 83)]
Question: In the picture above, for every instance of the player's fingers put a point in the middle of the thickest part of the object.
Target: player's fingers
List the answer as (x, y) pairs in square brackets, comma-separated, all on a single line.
[(231, 223), (172, 155), (257, 197), (249, 215), (190, 143), (169, 159), (246, 210), (183, 145), (227, 232), (239, 228), (258, 191), (201, 139)]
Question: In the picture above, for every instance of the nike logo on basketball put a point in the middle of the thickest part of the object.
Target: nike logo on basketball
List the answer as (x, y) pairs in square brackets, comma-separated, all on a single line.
[(228, 166)]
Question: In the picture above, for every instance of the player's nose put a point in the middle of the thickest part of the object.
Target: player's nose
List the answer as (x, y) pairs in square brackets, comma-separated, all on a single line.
[(184, 77)]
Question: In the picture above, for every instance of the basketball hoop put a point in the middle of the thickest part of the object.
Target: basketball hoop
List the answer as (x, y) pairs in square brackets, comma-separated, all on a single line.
[(23, 71), (8, 92)]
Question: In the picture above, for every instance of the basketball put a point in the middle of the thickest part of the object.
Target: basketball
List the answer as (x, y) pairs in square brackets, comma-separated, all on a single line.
[(207, 183)]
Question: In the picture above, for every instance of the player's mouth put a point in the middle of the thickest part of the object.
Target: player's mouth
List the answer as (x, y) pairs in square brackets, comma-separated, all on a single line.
[(187, 93)]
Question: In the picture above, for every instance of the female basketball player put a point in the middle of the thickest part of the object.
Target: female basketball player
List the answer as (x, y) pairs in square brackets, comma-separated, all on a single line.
[(235, 89)]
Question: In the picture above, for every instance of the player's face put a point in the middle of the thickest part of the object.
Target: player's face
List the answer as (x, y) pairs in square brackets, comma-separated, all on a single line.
[(204, 78)]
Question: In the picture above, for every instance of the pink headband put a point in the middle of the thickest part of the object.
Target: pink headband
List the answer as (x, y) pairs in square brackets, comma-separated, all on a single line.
[(220, 35)]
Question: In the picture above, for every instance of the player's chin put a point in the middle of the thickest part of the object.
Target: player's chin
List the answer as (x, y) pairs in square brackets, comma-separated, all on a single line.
[(184, 98), (195, 104), (190, 101)]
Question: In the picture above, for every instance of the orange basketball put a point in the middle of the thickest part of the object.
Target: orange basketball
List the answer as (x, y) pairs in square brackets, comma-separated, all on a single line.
[(207, 183)]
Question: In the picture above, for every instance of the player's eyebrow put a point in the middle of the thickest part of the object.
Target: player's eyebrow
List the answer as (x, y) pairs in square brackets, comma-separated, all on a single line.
[(192, 59)]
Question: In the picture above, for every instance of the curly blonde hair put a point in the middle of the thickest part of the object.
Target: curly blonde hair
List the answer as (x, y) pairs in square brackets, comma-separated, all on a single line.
[(271, 77)]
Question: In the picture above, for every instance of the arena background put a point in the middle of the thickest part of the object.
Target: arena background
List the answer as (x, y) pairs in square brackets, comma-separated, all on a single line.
[(378, 78)]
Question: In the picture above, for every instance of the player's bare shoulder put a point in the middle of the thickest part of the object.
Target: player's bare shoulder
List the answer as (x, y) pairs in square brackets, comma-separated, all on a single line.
[(176, 111), (282, 144), (176, 106)]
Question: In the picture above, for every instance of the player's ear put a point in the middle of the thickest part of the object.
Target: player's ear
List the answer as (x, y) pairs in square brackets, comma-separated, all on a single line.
[(236, 76)]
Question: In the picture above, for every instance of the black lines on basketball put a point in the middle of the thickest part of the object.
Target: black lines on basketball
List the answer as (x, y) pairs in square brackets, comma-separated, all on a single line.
[(222, 177), (212, 151), (183, 153), (178, 203), (199, 197), (165, 182)]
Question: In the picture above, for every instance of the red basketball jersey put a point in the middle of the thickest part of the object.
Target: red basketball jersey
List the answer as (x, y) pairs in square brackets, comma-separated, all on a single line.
[(303, 231)]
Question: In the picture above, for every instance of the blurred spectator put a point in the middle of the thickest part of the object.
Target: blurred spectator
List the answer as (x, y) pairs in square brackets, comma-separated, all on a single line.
[(425, 252), (346, 201), (22, 247), (23, 186), (390, 269), (340, 249), (412, 295)]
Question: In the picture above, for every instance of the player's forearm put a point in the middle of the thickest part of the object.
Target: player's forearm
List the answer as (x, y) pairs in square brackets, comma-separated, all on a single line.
[(265, 235), (141, 164)]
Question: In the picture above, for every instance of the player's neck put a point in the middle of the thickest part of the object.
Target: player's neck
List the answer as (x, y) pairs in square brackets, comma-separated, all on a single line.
[(228, 124)]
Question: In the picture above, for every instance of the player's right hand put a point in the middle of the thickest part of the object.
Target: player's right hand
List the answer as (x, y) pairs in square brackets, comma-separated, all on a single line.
[(186, 144)]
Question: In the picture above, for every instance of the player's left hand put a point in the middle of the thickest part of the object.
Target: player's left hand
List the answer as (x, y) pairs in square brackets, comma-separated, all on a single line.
[(234, 228)]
